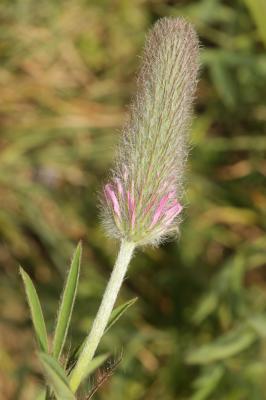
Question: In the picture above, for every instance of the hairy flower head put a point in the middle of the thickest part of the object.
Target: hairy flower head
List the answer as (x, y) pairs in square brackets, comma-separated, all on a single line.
[(141, 203)]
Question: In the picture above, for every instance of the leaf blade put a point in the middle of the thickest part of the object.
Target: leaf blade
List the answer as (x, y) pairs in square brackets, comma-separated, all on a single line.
[(56, 377), (115, 315), (36, 311), (94, 364), (67, 303), (224, 347), (118, 312)]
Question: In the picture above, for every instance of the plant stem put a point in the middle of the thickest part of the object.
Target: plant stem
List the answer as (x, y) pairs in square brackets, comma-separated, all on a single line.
[(103, 314)]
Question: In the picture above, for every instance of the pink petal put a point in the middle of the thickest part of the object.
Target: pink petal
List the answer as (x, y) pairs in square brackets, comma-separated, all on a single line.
[(172, 212), (172, 194), (110, 195), (160, 210), (131, 207)]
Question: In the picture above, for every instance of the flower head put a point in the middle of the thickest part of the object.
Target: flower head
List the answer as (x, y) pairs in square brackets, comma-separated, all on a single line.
[(141, 202)]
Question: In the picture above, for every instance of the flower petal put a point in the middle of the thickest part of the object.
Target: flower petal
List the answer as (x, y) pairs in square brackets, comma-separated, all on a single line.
[(159, 210), (172, 212), (111, 196)]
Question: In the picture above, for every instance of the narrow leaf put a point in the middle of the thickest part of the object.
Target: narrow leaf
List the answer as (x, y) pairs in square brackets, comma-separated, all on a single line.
[(115, 315), (56, 377), (257, 9), (36, 311), (94, 364), (226, 346), (118, 312), (67, 303), (207, 383), (258, 323)]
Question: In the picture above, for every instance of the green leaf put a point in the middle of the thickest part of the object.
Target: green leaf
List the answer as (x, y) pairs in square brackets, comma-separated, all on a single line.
[(224, 82), (226, 346), (56, 377), (115, 315), (67, 303), (207, 383), (207, 305), (258, 323), (257, 9), (41, 395), (118, 312), (36, 311), (94, 364)]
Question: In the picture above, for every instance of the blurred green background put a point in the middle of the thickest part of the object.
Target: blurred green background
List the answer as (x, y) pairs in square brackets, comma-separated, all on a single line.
[(67, 71)]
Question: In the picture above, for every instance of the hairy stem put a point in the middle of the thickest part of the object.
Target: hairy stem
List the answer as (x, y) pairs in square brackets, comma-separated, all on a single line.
[(103, 315)]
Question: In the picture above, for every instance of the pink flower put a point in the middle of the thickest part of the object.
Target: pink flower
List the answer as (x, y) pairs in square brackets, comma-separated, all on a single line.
[(142, 200), (111, 197)]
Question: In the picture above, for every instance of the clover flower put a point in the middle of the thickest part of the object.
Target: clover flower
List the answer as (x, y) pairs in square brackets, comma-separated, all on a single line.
[(142, 200)]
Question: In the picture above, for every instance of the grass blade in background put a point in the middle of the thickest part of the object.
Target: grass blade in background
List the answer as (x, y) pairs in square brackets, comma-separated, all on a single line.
[(56, 377), (225, 346), (36, 311), (67, 303), (206, 384), (257, 9)]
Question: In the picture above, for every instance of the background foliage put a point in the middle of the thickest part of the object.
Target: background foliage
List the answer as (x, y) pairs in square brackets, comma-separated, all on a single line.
[(67, 72)]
